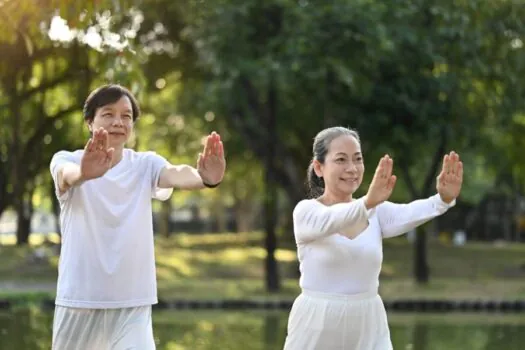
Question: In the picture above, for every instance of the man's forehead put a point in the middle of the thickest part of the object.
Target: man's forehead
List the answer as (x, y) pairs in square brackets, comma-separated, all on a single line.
[(120, 104)]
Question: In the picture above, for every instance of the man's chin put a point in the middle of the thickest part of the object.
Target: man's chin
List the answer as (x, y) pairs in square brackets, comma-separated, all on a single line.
[(117, 144)]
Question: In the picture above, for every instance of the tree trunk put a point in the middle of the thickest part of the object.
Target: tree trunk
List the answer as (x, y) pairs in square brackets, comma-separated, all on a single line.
[(55, 206), (270, 198), (420, 263), (164, 218), (24, 212), (421, 269)]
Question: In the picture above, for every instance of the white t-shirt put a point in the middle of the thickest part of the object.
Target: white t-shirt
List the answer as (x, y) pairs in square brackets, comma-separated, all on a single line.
[(332, 263), (107, 256)]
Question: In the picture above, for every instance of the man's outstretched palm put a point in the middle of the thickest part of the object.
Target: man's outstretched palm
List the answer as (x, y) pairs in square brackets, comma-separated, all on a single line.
[(97, 157), (211, 163)]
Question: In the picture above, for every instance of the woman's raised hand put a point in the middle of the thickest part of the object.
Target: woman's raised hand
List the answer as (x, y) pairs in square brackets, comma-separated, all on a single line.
[(382, 184)]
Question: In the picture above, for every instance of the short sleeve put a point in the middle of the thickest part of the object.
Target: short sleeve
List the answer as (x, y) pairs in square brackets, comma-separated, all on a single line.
[(158, 163), (58, 161)]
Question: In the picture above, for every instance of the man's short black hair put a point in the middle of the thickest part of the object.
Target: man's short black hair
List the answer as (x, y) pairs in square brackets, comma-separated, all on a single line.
[(105, 95)]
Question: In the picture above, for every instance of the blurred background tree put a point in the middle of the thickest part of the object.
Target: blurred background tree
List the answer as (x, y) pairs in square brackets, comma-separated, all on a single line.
[(415, 78)]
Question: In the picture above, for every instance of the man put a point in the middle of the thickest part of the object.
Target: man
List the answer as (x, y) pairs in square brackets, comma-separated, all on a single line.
[(107, 281)]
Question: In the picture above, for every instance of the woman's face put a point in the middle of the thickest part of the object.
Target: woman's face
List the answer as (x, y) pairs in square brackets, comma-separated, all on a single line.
[(343, 168)]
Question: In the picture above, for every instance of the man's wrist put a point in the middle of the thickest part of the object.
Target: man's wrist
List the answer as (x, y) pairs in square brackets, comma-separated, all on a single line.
[(210, 185)]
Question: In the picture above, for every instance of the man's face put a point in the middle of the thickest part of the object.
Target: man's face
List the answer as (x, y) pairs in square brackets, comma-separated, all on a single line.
[(116, 119)]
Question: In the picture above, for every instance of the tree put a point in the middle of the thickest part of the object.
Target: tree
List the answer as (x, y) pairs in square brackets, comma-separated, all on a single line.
[(415, 78)]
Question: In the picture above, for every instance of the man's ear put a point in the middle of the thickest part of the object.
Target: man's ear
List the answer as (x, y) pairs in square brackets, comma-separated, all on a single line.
[(90, 127), (318, 168)]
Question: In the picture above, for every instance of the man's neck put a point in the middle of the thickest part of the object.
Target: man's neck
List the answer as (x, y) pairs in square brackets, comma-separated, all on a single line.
[(117, 156)]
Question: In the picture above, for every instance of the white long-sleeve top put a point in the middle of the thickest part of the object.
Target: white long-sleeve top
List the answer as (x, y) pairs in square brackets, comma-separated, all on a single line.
[(330, 262)]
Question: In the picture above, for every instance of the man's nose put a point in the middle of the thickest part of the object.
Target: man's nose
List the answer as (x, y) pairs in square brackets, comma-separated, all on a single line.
[(117, 120)]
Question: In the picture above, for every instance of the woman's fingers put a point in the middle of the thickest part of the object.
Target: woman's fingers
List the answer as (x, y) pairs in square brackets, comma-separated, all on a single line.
[(389, 166), (391, 182), (459, 170), (444, 168)]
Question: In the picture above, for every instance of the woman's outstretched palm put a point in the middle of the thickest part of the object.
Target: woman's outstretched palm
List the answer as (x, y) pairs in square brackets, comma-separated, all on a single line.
[(450, 180), (97, 157), (382, 184), (211, 163)]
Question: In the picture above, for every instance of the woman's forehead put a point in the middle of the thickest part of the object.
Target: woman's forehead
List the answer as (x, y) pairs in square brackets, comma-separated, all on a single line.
[(345, 144)]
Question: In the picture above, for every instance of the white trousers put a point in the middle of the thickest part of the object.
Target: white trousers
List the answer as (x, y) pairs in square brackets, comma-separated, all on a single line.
[(320, 321), (103, 329)]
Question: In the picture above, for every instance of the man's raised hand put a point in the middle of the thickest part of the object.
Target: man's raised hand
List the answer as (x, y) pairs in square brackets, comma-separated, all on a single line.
[(97, 157)]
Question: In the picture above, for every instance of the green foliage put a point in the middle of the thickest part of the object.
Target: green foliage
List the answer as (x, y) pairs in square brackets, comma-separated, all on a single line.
[(413, 77)]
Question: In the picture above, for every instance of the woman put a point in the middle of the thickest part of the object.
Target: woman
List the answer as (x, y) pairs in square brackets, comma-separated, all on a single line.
[(339, 243)]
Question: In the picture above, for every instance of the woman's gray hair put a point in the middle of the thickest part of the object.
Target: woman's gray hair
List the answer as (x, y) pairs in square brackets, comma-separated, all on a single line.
[(322, 141)]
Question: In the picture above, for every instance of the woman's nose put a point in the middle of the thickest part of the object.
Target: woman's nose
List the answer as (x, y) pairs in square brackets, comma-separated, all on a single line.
[(351, 167)]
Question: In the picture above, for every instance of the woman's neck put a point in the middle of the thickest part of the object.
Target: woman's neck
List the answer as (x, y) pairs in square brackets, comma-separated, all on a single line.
[(330, 199)]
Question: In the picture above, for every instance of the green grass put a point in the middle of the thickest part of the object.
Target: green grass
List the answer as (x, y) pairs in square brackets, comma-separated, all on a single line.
[(232, 266)]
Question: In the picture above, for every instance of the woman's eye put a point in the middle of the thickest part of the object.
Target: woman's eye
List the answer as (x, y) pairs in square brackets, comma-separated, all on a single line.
[(359, 159)]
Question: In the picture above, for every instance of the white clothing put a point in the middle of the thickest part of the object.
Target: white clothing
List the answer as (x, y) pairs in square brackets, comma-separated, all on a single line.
[(333, 263), (320, 321), (107, 256), (110, 329), (348, 268)]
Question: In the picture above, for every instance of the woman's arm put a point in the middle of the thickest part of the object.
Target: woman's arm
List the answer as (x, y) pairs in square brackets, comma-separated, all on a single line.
[(313, 220), (396, 219)]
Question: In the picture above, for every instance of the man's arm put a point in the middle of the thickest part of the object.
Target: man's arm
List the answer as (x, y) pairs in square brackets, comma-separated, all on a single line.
[(69, 175), (180, 176)]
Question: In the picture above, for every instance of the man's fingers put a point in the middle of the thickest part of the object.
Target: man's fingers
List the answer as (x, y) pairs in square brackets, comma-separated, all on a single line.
[(89, 146), (105, 140), (109, 154), (200, 161), (210, 147), (220, 152), (206, 145)]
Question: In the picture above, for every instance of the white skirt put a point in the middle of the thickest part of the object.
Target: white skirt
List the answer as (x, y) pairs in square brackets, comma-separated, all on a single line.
[(103, 329), (320, 321)]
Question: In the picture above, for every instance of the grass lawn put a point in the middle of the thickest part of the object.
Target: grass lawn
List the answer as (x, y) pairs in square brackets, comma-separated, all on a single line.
[(232, 266)]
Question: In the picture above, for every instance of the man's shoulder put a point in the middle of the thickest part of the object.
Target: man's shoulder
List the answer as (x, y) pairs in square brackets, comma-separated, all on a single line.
[(72, 156), (134, 155)]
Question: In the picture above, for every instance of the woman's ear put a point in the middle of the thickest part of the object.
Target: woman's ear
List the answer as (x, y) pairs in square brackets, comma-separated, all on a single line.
[(318, 168)]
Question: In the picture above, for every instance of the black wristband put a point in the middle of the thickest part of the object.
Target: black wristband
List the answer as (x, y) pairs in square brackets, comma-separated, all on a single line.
[(211, 186)]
